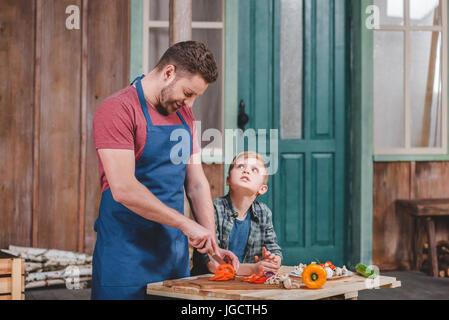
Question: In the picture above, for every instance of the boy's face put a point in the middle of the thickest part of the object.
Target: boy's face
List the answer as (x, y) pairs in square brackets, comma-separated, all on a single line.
[(248, 176)]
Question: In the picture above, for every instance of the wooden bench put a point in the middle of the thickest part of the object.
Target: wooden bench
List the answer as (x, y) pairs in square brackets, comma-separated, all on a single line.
[(424, 212)]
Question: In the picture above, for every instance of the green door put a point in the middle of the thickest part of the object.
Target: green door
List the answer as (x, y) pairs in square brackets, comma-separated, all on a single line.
[(308, 191)]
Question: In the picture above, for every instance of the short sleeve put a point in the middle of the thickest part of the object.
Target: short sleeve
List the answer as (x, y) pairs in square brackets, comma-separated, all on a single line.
[(113, 126)]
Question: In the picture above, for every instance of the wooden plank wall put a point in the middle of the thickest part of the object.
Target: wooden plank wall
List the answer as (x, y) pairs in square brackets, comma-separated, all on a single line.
[(59, 128), (108, 32), (53, 80), (17, 21), (392, 231), (214, 174)]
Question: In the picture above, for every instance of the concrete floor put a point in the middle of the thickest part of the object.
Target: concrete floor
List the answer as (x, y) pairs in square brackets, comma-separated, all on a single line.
[(415, 286)]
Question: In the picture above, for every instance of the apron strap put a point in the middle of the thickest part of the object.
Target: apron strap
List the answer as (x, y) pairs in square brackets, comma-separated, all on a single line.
[(140, 78), (180, 117), (142, 100), (188, 130)]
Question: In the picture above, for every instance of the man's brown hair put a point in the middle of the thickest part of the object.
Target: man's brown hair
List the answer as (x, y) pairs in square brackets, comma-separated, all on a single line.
[(191, 56)]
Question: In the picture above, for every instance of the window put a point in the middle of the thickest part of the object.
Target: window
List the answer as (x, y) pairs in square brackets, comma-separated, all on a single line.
[(207, 27), (410, 78), (291, 30)]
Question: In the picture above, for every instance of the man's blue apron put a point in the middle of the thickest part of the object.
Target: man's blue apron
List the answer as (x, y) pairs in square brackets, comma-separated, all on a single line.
[(132, 251)]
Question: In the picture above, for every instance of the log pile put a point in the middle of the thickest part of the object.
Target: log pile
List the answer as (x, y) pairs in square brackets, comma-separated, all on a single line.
[(443, 259), (49, 267)]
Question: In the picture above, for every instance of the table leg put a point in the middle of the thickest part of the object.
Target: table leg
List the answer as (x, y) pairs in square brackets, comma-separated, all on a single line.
[(352, 295), (432, 246), (418, 243)]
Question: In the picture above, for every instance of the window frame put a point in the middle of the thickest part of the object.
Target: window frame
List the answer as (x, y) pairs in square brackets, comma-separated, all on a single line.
[(208, 155), (409, 153), (161, 24)]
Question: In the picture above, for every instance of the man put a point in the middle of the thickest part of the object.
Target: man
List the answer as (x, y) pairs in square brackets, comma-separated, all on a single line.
[(142, 234)]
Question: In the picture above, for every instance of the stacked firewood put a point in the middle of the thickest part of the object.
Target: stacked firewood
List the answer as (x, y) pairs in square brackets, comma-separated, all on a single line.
[(443, 259), (49, 267)]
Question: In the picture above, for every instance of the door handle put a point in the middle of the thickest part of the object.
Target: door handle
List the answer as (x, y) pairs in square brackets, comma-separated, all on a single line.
[(242, 118)]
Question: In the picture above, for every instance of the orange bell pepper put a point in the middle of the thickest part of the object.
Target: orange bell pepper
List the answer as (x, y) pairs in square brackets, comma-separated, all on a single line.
[(314, 276)]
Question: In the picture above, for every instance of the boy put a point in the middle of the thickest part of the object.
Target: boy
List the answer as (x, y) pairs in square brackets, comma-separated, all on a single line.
[(244, 225)]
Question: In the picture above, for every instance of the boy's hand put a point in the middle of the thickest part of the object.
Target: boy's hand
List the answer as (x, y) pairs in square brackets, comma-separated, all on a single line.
[(270, 261), (267, 255), (267, 266)]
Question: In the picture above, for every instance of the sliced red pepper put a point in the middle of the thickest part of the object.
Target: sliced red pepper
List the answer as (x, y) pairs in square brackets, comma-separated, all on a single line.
[(256, 278), (223, 279), (224, 272), (216, 277), (225, 268), (260, 280), (251, 277), (220, 277), (228, 275), (261, 270)]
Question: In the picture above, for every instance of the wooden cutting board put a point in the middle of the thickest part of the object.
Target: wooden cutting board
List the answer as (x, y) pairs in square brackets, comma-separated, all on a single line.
[(203, 282)]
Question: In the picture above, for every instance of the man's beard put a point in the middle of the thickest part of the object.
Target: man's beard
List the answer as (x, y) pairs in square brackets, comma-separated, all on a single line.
[(161, 109), (165, 92)]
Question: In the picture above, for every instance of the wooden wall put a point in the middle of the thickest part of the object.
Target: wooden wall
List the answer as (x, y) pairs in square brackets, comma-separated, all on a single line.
[(17, 21), (392, 231), (214, 174), (53, 79)]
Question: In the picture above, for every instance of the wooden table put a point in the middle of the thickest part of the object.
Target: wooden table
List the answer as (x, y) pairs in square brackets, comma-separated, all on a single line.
[(424, 212), (345, 288)]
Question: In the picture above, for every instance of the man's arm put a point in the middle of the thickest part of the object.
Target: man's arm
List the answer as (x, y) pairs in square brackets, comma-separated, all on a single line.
[(198, 192), (119, 165)]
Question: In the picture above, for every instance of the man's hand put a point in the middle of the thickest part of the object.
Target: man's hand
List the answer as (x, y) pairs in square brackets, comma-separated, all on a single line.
[(230, 257), (227, 256), (199, 237)]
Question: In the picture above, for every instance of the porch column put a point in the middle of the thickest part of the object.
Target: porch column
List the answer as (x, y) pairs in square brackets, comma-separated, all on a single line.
[(180, 29), (180, 21)]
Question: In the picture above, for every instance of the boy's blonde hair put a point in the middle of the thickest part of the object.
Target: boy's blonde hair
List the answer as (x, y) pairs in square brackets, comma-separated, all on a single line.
[(250, 154)]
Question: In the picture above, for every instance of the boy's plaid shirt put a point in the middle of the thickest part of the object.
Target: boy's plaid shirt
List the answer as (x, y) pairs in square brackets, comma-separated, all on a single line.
[(261, 233)]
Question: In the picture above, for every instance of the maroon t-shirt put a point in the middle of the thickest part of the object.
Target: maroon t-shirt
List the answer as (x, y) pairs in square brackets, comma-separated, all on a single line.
[(119, 123)]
